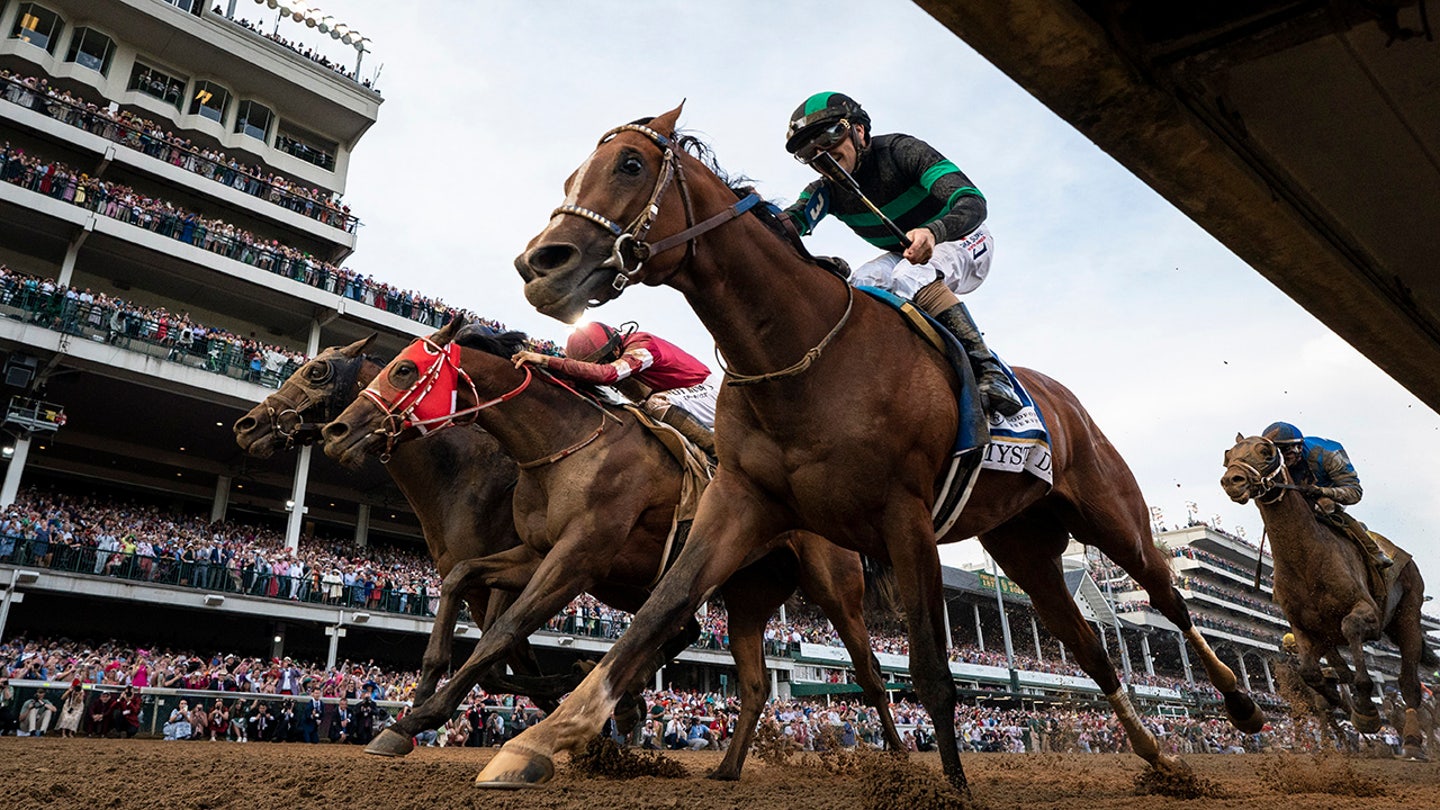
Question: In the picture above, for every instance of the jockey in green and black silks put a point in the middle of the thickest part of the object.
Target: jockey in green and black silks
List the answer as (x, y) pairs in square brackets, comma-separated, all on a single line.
[(941, 212)]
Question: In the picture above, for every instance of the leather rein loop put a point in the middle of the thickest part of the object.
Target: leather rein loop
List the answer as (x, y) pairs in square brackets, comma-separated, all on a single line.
[(799, 367)]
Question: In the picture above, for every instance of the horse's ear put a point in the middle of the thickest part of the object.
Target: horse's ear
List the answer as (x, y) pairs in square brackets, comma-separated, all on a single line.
[(449, 330), (358, 347), (1239, 437), (665, 123)]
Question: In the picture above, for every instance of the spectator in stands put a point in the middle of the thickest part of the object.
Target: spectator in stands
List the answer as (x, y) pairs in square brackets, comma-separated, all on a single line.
[(72, 710), (178, 726)]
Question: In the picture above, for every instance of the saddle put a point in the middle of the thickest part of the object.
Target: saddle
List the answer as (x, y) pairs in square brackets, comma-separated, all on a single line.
[(696, 471)]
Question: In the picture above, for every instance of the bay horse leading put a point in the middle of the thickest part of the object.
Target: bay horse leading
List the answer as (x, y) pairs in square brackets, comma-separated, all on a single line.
[(842, 430), (594, 506), (460, 485), (1321, 583)]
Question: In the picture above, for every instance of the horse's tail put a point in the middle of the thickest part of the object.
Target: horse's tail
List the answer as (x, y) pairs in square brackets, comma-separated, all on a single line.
[(882, 593)]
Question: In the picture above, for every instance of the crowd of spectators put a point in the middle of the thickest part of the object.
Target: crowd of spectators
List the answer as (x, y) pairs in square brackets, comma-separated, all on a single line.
[(143, 135), (307, 52), (118, 322)]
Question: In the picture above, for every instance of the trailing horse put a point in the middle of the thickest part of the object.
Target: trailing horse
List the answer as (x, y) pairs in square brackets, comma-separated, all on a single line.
[(459, 484), (1321, 584), (595, 506), (836, 418)]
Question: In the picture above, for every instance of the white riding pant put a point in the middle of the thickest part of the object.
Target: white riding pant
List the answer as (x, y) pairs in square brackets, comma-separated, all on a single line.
[(962, 264), (697, 400)]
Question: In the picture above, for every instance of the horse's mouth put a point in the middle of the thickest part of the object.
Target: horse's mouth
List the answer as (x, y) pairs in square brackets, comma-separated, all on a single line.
[(258, 446), (351, 452), (563, 300)]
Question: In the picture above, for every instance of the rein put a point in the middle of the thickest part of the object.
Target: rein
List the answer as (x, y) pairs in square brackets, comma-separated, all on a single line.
[(799, 367), (630, 245)]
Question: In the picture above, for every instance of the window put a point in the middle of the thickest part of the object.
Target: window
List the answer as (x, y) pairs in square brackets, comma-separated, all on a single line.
[(253, 119), (210, 100), (192, 6), (157, 83), (92, 49), (38, 26), (308, 147)]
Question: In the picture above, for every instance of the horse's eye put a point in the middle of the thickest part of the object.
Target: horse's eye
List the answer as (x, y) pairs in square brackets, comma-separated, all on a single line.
[(632, 165), (317, 372)]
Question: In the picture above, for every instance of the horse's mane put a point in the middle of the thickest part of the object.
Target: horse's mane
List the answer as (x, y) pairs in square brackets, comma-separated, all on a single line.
[(501, 344), (741, 186)]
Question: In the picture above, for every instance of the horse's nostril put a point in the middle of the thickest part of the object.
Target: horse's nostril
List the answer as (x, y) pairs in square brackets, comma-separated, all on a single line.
[(549, 258), (335, 430), (245, 424)]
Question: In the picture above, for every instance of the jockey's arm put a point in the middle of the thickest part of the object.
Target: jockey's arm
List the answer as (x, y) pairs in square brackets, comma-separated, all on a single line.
[(1344, 484), (964, 205), (633, 360)]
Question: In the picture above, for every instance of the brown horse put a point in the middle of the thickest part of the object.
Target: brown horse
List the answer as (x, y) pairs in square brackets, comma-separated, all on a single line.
[(460, 485), (594, 505), (841, 428), (1321, 585)]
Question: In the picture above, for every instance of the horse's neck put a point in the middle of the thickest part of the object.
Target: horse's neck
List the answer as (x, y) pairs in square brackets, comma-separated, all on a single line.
[(1296, 537), (764, 305), (541, 420), (417, 472)]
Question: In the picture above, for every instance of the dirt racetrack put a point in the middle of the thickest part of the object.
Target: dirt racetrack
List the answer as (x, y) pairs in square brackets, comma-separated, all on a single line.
[(123, 774)]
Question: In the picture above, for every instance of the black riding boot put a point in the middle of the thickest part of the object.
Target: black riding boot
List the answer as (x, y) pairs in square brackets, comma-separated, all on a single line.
[(691, 428), (994, 386)]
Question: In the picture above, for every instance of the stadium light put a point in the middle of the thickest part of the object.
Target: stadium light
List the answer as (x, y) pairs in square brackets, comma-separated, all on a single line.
[(461, 629), (27, 577), (360, 618), (214, 600), (8, 451), (340, 30), (325, 24), (271, 4), (566, 641)]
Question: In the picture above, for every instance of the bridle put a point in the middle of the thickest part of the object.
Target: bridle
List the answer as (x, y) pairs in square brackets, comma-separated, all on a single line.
[(439, 373), (1273, 479), (630, 251), (630, 244), (434, 392), (278, 418)]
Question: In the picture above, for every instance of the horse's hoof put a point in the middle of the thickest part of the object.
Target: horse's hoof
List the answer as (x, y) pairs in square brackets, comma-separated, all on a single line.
[(1413, 753), (390, 744), (723, 775), (1170, 765), (516, 767), (1366, 723), (1244, 714)]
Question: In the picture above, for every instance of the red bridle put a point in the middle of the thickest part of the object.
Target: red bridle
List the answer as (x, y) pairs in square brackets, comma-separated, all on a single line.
[(429, 404)]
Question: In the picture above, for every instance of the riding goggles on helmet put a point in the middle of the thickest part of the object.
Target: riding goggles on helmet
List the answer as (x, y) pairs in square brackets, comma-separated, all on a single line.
[(824, 140)]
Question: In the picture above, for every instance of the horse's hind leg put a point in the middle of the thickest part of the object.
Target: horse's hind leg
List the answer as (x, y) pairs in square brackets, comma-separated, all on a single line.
[(1028, 549), (751, 596), (1119, 527), (1405, 631), (834, 579)]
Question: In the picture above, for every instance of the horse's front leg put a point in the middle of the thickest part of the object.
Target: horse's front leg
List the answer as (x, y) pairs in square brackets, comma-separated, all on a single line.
[(732, 523), (1309, 654), (1359, 626), (465, 579), (557, 580)]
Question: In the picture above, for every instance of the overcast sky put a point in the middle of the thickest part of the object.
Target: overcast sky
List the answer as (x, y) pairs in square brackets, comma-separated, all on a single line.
[(1170, 341)]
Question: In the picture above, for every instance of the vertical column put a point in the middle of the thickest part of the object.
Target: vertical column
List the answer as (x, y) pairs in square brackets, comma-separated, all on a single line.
[(72, 254), (362, 525), (1004, 618), (312, 345), (1104, 639), (277, 642), (1145, 648), (774, 684), (1062, 655), (1035, 633), (783, 620), (1185, 659), (1269, 676), (17, 457), (221, 502), (297, 499), (979, 631), (1244, 674), (949, 637), (660, 679)]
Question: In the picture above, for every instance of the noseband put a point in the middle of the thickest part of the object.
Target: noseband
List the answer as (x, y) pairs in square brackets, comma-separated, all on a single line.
[(1273, 479), (630, 251)]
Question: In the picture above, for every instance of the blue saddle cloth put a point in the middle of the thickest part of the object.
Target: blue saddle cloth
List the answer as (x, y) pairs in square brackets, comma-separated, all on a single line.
[(973, 431)]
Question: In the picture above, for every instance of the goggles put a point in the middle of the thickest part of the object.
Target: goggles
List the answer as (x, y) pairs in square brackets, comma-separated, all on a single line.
[(824, 140)]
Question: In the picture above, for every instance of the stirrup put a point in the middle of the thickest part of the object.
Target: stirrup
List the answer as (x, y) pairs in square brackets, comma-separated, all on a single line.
[(1383, 560)]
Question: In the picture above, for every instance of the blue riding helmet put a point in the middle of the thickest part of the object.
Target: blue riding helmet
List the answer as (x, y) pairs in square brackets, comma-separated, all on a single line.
[(1283, 433)]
